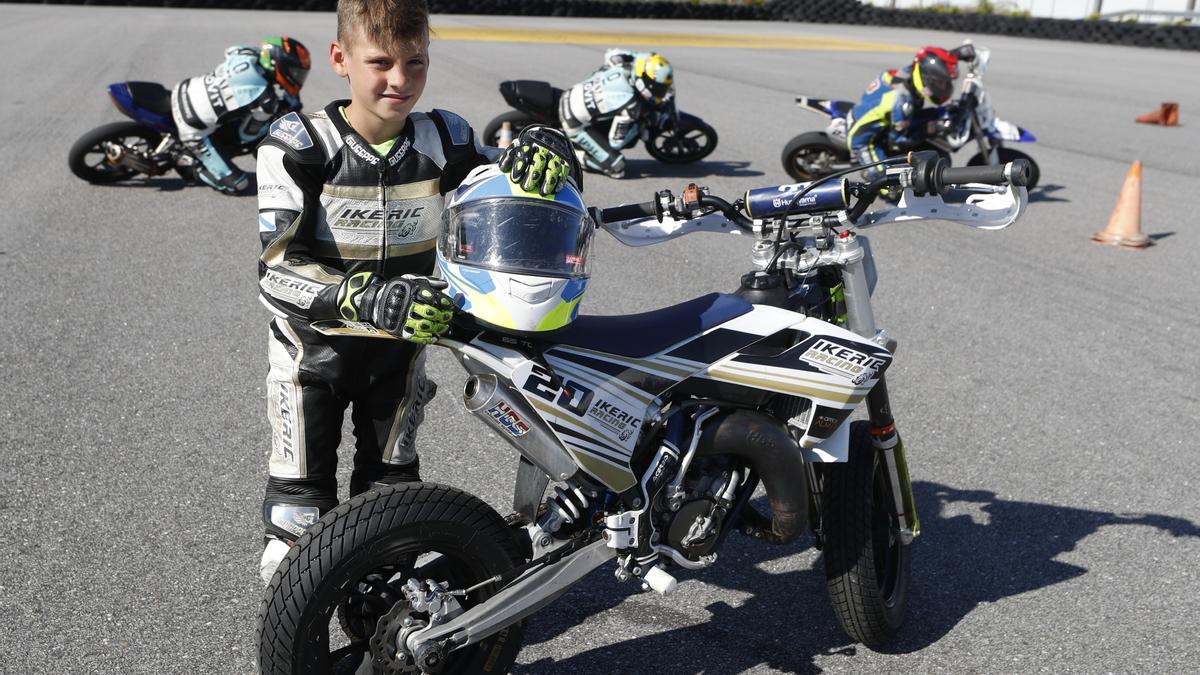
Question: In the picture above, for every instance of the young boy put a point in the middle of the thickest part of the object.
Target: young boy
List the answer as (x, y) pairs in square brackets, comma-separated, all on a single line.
[(350, 205)]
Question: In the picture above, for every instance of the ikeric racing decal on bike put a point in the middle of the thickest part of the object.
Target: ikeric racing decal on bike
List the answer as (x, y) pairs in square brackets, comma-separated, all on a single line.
[(592, 416), (830, 356)]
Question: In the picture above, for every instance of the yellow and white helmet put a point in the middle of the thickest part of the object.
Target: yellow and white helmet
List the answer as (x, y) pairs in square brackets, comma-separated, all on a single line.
[(515, 260), (653, 77)]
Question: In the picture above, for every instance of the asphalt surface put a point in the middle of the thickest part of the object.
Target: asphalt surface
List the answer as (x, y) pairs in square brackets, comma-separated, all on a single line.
[(1046, 386)]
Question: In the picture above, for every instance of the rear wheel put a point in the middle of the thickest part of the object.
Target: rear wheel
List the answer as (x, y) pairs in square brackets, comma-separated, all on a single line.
[(812, 155), (1007, 155), (356, 561), (867, 568), (88, 158), (691, 140), (518, 120)]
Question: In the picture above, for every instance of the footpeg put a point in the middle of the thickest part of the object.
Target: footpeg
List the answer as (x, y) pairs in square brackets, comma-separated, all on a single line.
[(659, 580)]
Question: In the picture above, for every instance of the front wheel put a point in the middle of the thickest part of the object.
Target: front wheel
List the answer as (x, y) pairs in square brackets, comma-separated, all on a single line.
[(812, 155), (691, 140), (867, 568), (518, 120), (356, 561), (88, 158), (1007, 155)]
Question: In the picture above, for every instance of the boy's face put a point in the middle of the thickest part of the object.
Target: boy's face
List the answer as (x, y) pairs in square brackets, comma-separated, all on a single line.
[(382, 84)]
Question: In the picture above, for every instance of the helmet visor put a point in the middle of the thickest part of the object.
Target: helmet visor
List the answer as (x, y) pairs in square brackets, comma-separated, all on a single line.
[(519, 236)]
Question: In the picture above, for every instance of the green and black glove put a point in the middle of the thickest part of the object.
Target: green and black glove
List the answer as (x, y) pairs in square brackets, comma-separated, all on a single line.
[(541, 159), (411, 307)]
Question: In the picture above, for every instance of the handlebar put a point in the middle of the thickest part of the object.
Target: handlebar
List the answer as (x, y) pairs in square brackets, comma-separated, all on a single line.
[(628, 212), (927, 173), (1016, 172)]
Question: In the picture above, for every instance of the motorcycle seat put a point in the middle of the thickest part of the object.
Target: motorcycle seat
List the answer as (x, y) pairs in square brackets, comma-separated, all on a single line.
[(535, 94), (641, 335), (151, 97), (842, 108)]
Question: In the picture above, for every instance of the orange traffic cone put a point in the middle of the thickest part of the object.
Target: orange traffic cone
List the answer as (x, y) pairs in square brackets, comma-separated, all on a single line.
[(1125, 225), (1166, 115), (506, 135)]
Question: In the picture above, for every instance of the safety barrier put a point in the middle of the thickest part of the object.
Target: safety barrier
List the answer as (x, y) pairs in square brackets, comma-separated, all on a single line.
[(1162, 36)]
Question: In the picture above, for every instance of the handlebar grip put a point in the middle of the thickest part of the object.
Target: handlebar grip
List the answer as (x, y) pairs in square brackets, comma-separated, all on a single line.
[(1015, 172), (628, 212)]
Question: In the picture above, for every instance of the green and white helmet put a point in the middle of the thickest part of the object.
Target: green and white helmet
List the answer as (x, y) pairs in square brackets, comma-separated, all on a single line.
[(515, 260)]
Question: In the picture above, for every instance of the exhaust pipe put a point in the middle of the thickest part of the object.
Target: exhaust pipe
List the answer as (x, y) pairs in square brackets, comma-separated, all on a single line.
[(506, 411), (765, 442)]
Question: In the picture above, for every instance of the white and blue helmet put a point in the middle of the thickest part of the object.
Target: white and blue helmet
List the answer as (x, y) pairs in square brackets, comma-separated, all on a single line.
[(515, 260)]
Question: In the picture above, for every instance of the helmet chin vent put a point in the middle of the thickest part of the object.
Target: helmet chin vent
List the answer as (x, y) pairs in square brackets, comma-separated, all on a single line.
[(533, 292)]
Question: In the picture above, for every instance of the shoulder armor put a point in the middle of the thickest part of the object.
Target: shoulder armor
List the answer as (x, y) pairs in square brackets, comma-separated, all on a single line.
[(458, 130), (295, 135)]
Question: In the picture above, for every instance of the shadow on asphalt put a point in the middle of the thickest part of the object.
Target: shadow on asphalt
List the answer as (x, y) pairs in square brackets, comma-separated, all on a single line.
[(652, 168), (975, 548), (175, 184), (1045, 193)]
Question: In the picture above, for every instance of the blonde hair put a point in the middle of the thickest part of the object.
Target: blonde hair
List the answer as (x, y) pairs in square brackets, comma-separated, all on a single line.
[(391, 25)]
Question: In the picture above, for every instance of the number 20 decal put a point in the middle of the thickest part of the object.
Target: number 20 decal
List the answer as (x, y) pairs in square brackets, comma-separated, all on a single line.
[(563, 393)]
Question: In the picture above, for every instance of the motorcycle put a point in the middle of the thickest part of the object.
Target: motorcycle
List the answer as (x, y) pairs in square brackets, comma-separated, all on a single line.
[(673, 137), (149, 144), (944, 129), (656, 429)]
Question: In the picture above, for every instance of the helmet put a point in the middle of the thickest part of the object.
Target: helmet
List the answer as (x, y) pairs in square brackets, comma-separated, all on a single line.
[(933, 73), (287, 59), (515, 260), (653, 77)]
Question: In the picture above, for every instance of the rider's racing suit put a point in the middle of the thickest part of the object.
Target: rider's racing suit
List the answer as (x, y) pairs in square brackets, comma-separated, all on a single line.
[(236, 93), (881, 120), (330, 206), (607, 94)]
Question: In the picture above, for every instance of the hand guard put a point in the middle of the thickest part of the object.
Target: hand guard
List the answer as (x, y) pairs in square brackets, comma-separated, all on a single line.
[(541, 159), (411, 307)]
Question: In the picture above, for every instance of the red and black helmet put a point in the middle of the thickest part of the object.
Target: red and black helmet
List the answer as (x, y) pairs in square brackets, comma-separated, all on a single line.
[(287, 60), (933, 73)]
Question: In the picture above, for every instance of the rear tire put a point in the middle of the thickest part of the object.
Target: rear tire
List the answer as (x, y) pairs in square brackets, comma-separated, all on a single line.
[(812, 155), (86, 157), (369, 547), (518, 119), (867, 569), (1007, 155)]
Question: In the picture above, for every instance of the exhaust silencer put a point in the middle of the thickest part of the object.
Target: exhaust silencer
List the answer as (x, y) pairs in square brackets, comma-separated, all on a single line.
[(506, 411)]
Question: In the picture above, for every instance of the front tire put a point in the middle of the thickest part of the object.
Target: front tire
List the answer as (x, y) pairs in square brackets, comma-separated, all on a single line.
[(812, 155), (1007, 155), (867, 568), (356, 559), (691, 141), (518, 120), (87, 159)]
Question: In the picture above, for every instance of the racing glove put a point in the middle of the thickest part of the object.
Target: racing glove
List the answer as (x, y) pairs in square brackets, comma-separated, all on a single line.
[(410, 307), (541, 159)]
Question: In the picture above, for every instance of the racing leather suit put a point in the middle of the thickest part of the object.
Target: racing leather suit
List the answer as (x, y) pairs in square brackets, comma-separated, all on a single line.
[(331, 206), (881, 120), (608, 94), (236, 93)]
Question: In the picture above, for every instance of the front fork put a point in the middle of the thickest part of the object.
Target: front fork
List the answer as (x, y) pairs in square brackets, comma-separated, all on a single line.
[(860, 318), (887, 443)]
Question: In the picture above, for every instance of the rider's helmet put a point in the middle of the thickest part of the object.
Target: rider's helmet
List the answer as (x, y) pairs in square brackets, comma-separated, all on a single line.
[(653, 77), (515, 260), (933, 73), (287, 60)]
